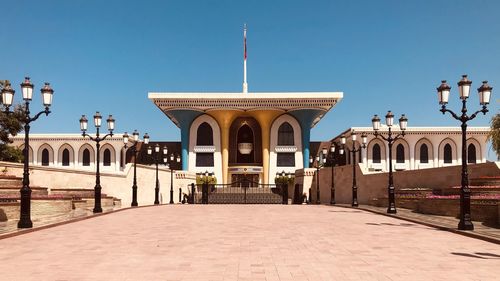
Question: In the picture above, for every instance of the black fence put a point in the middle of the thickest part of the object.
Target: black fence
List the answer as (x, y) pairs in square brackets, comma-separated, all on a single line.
[(241, 192)]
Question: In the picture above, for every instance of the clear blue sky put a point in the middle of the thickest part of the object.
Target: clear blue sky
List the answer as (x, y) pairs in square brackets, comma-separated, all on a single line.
[(107, 55)]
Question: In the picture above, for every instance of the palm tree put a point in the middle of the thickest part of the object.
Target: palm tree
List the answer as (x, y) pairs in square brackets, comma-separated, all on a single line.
[(494, 134)]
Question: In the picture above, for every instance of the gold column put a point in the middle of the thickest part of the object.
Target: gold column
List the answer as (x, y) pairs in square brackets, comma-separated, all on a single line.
[(224, 118), (265, 119)]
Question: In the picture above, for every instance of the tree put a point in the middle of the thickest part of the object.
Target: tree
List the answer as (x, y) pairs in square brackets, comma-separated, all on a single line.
[(494, 134), (10, 124)]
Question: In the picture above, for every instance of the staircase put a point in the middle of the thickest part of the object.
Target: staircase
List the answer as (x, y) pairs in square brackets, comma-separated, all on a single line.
[(48, 203), (253, 195)]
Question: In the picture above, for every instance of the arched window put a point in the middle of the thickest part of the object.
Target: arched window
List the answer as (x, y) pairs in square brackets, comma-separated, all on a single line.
[(107, 157), (447, 154), (285, 137), (285, 134), (204, 135), (45, 157), (376, 156), (86, 157), (400, 153), (471, 154), (424, 153), (65, 157)]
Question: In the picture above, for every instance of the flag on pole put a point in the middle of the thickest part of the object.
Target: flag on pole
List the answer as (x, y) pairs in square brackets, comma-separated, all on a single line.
[(245, 41)]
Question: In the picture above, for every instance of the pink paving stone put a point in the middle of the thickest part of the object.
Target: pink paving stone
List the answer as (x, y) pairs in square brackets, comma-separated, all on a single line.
[(246, 242)]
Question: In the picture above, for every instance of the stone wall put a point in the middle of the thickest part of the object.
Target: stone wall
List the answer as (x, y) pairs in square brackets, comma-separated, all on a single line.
[(41, 208), (116, 184), (374, 185), (9, 211)]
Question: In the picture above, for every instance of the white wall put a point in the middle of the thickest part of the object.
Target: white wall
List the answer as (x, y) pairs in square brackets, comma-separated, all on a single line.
[(297, 138), (217, 169)]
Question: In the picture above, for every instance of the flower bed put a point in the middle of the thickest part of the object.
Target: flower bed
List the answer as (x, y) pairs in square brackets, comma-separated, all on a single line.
[(478, 198)]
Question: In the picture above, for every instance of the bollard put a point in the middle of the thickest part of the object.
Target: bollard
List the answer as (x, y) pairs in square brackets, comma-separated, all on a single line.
[(297, 197), (204, 193), (180, 195), (192, 193), (284, 192)]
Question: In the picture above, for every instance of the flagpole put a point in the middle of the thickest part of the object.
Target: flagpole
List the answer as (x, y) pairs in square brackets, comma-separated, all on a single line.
[(245, 85)]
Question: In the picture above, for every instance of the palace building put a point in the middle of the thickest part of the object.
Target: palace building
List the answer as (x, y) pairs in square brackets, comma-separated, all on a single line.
[(251, 134)]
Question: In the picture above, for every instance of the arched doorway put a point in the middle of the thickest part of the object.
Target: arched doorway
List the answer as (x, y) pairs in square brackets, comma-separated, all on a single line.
[(245, 154)]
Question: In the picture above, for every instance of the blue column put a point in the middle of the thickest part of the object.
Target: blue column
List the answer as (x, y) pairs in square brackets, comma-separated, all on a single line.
[(306, 138), (306, 118), (185, 145), (185, 119)]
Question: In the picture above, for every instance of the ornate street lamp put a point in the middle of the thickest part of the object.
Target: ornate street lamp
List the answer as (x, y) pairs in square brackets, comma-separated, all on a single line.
[(403, 123), (135, 139), (318, 166), (169, 164), (7, 99), (97, 139), (484, 93), (331, 157), (156, 157), (354, 151)]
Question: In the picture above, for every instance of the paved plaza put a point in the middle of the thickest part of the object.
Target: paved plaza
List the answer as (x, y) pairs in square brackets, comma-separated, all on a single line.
[(246, 242)]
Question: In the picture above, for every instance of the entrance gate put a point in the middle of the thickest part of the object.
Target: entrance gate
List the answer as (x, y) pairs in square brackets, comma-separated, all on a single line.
[(243, 191)]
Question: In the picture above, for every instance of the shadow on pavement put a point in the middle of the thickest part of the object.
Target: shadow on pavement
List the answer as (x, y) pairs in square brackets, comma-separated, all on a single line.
[(345, 211), (469, 255), (489, 255)]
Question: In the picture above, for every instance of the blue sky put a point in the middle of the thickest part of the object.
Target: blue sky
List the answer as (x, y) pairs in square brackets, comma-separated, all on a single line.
[(107, 55)]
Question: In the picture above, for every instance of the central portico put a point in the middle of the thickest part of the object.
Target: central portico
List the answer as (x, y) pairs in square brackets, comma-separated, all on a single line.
[(252, 134)]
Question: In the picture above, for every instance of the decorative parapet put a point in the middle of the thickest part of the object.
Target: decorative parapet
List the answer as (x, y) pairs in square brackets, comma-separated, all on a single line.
[(204, 149), (185, 175), (285, 148)]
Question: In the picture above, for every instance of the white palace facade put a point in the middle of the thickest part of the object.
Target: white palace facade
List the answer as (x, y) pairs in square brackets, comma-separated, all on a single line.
[(72, 151), (420, 148)]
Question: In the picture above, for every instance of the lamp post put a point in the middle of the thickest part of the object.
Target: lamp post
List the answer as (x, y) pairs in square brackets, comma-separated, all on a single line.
[(331, 157), (169, 164), (135, 137), (354, 151), (205, 177), (7, 99), (156, 158), (97, 139), (205, 180), (403, 124), (484, 92), (318, 166), (282, 180)]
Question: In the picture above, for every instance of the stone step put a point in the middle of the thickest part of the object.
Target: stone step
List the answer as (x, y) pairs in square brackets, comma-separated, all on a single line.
[(78, 192), (14, 191), (117, 203), (238, 198), (106, 201), (11, 182), (485, 181)]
